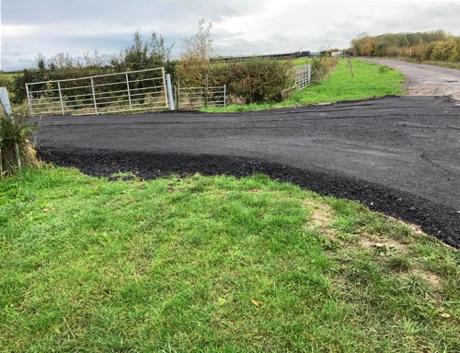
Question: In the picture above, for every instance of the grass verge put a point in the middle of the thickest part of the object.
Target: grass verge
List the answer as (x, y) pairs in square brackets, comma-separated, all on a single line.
[(214, 264), (369, 81), (448, 64)]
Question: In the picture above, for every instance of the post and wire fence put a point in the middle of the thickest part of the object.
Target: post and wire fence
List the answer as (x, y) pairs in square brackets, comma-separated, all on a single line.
[(141, 90)]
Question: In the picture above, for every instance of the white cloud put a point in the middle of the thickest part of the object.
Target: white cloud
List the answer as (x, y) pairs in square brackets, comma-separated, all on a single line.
[(240, 26)]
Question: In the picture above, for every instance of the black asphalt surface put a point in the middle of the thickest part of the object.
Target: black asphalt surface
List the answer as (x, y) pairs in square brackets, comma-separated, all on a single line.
[(398, 155)]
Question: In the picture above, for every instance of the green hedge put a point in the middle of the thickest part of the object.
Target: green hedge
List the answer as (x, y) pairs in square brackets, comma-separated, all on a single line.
[(255, 80)]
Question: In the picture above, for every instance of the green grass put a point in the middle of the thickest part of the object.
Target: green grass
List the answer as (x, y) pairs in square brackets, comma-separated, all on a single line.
[(214, 265), (301, 61), (369, 81), (7, 77)]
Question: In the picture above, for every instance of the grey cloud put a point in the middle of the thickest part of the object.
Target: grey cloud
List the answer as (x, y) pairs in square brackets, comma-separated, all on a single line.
[(121, 12), (68, 26)]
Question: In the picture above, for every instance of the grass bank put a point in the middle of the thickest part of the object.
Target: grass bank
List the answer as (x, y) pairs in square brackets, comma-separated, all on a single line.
[(369, 81), (448, 64), (214, 264)]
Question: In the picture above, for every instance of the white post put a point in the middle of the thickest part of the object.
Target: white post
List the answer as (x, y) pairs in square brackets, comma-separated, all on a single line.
[(163, 74), (60, 97), (225, 95), (6, 102), (309, 74), (170, 94), (94, 96), (9, 113)]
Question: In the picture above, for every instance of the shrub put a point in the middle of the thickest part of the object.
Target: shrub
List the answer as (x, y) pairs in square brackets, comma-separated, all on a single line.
[(321, 66), (255, 80), (14, 144)]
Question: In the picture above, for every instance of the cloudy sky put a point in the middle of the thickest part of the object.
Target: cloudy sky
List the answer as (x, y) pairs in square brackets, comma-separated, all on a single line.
[(240, 27)]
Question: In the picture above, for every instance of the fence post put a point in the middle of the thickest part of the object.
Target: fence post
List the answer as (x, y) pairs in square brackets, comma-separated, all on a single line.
[(206, 88), (225, 95), (94, 96), (129, 92), (309, 74), (170, 94), (175, 97), (60, 98), (9, 114)]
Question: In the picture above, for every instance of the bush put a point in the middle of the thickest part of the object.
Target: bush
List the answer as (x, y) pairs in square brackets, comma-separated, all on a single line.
[(255, 80), (12, 134), (18, 87), (321, 66)]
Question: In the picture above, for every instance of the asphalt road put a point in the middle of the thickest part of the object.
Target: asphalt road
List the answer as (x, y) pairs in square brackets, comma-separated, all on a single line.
[(399, 155)]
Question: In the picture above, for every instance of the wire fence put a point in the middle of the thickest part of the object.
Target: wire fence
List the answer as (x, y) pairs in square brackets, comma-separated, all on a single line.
[(199, 97), (142, 90), (302, 76)]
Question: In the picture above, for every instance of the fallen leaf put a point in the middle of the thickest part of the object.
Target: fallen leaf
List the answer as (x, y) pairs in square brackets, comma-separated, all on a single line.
[(256, 303), (45, 210), (445, 315)]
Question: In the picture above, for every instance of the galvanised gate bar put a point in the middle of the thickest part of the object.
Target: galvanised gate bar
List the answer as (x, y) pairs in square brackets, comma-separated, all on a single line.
[(142, 90)]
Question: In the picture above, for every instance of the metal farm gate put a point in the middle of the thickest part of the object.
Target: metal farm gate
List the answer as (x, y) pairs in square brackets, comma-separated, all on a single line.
[(142, 90), (302, 76), (198, 97)]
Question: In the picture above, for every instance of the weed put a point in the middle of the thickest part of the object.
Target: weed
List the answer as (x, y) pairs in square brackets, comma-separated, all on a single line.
[(399, 263)]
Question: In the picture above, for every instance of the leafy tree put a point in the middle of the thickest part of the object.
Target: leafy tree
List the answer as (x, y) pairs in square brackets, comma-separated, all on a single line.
[(144, 54), (40, 61), (442, 50), (428, 50), (403, 41)]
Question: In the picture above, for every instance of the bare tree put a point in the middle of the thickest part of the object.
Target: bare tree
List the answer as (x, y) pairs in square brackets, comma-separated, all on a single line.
[(196, 56)]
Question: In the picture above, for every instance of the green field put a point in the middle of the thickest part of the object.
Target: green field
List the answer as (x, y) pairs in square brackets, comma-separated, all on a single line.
[(369, 81), (214, 265)]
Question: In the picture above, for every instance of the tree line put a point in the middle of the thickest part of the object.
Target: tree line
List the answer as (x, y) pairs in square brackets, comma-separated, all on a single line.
[(422, 46)]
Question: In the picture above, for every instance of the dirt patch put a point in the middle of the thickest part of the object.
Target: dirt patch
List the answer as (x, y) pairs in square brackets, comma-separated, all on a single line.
[(384, 246), (427, 89), (320, 218), (433, 279)]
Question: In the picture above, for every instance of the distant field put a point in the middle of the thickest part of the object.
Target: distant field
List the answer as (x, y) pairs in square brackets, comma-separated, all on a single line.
[(9, 75), (301, 61)]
